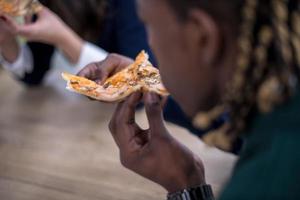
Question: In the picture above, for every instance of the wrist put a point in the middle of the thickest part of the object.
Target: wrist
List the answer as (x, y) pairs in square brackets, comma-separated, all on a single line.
[(70, 44), (10, 49), (176, 186), (192, 175)]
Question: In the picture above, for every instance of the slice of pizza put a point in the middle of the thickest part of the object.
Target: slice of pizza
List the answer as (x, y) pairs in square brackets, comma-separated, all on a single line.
[(139, 76), (19, 7)]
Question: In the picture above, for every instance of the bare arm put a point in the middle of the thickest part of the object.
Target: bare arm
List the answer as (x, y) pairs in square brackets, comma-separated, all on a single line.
[(50, 29), (8, 43)]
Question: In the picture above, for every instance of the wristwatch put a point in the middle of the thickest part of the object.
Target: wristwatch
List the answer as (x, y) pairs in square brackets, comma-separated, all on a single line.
[(202, 192)]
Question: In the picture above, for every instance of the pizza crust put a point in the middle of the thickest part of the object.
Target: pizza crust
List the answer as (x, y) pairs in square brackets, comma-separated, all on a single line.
[(139, 76)]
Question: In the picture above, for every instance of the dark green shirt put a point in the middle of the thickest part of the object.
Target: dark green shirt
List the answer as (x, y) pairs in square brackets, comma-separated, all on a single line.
[(269, 165)]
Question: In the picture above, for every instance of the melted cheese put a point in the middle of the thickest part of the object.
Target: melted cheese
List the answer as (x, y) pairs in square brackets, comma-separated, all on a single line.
[(139, 76)]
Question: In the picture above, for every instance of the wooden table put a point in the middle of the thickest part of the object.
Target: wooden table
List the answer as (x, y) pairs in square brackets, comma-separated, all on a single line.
[(56, 146)]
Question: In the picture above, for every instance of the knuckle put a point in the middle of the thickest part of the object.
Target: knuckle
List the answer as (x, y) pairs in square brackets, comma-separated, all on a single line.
[(90, 66), (113, 56), (97, 64), (113, 59), (154, 104), (123, 161), (154, 108), (112, 126), (83, 72), (102, 65)]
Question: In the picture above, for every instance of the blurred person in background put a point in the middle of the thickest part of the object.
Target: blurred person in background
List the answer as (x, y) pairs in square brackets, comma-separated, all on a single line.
[(69, 34), (241, 57)]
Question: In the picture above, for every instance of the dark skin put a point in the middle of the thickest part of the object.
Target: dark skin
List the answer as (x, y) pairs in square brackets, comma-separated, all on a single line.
[(150, 152), (193, 72), (188, 54)]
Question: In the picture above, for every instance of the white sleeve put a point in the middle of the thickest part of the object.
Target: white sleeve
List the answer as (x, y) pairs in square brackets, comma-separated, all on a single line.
[(89, 53), (23, 64)]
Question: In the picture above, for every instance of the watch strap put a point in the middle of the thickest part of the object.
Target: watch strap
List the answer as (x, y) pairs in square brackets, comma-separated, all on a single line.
[(203, 192)]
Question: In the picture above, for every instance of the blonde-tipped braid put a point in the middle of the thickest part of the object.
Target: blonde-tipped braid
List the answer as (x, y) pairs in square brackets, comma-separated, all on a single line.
[(204, 120), (261, 81), (279, 84), (295, 38), (220, 138)]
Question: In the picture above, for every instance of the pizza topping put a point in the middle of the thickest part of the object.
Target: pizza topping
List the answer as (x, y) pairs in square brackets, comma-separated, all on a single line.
[(132, 83), (152, 80), (106, 85), (140, 76)]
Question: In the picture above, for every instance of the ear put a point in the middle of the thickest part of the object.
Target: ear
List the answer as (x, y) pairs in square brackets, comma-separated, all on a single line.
[(204, 36)]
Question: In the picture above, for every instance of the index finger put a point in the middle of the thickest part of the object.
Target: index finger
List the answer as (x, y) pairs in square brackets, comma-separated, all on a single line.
[(93, 72), (154, 112), (122, 125), (102, 70), (125, 112)]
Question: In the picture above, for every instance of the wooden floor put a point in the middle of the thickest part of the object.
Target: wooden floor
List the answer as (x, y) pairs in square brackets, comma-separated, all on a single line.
[(56, 146)]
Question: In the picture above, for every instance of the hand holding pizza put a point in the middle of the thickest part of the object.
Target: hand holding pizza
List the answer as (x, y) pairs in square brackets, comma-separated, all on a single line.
[(154, 153), (116, 78), (44, 29)]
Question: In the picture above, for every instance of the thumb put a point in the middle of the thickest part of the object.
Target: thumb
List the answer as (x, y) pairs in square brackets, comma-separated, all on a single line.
[(10, 23), (103, 78), (44, 12), (154, 112)]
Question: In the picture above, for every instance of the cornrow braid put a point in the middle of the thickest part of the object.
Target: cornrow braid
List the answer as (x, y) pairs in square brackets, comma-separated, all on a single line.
[(221, 138), (295, 35), (268, 63)]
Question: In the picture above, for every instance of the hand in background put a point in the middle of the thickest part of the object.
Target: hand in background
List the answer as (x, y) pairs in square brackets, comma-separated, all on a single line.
[(50, 29)]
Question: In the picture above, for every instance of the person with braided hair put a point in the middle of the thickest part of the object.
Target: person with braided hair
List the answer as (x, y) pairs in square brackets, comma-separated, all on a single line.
[(240, 57)]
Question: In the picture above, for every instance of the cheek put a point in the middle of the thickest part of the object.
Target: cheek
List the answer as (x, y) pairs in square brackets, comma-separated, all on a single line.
[(175, 63), (175, 77), (161, 46), (168, 48)]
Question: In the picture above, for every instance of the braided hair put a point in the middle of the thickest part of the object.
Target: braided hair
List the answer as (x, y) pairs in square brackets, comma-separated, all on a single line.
[(268, 65)]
